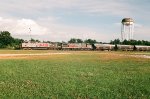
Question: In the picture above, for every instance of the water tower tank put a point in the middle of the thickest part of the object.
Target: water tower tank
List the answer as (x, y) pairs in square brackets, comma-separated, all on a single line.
[(127, 21)]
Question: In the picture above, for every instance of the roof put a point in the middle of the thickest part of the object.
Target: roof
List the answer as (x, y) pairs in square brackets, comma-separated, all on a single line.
[(127, 20)]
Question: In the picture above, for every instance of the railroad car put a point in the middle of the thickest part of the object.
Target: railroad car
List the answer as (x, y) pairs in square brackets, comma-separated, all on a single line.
[(103, 47), (142, 48), (125, 47), (76, 46)]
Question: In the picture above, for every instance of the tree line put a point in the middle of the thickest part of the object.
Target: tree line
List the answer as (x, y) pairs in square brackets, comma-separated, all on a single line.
[(130, 42), (7, 41), (74, 40)]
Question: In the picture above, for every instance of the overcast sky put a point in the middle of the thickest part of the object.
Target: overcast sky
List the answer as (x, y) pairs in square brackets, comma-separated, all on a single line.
[(60, 20)]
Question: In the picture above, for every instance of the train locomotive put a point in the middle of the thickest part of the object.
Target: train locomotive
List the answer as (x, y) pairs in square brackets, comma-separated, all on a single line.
[(55, 46)]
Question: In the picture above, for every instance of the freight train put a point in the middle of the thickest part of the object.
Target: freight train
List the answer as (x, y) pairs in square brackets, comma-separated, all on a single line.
[(81, 46)]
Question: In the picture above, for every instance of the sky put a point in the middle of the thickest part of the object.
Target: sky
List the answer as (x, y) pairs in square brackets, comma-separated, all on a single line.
[(60, 20)]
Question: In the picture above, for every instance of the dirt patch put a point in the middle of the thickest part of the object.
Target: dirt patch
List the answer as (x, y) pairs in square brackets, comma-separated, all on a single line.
[(29, 56), (119, 56), (140, 56)]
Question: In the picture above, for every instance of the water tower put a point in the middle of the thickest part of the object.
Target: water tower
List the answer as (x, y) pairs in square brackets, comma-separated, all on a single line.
[(127, 29)]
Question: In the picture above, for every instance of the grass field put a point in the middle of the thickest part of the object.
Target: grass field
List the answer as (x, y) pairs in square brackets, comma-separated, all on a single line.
[(77, 75)]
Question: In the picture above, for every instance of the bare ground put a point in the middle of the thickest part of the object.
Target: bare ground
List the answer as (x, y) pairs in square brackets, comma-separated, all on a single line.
[(44, 55), (25, 56)]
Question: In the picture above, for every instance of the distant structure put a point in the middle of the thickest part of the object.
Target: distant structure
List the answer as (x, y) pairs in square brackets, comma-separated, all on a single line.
[(127, 29), (30, 33)]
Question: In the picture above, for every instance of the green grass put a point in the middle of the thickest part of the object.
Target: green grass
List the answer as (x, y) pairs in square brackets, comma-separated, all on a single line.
[(80, 75)]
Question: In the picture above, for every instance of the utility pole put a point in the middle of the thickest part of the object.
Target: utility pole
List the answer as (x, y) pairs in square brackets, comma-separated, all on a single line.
[(30, 34)]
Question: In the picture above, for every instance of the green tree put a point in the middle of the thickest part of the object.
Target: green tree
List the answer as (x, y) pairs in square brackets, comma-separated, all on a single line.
[(16, 44), (90, 41), (32, 40), (125, 42), (72, 40), (79, 40), (131, 42), (5, 39), (116, 41)]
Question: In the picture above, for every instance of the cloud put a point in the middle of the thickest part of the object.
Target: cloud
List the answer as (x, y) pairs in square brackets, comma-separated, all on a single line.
[(142, 33), (21, 27), (107, 7), (138, 25), (58, 31), (95, 7)]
